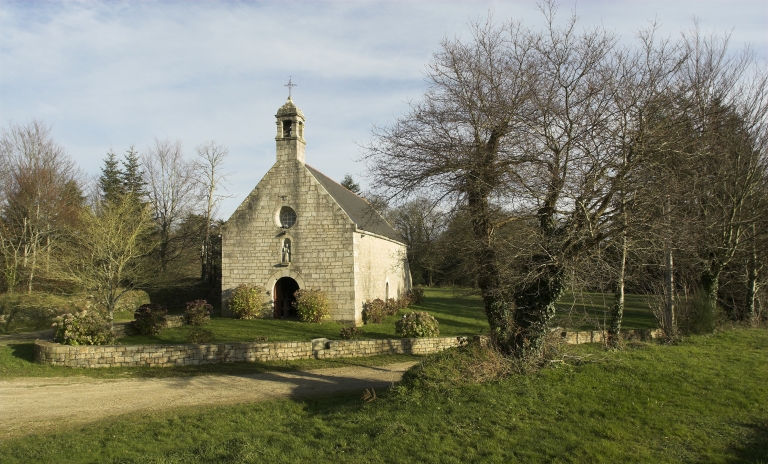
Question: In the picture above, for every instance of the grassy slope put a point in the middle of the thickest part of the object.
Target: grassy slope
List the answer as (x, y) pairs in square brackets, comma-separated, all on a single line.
[(704, 400)]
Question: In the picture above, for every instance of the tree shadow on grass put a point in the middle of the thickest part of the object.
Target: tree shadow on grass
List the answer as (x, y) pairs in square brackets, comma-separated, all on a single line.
[(23, 351), (755, 447)]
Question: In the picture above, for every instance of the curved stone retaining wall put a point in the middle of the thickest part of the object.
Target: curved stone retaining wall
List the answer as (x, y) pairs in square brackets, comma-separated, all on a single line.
[(190, 354), (184, 355)]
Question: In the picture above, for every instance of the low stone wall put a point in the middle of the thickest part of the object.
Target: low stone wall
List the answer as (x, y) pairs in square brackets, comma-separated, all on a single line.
[(191, 354), (596, 336)]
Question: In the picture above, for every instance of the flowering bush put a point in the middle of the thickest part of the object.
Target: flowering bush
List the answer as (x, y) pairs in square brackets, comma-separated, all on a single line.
[(83, 328), (198, 312), (350, 332), (247, 302), (149, 319), (374, 311), (312, 305), (417, 324)]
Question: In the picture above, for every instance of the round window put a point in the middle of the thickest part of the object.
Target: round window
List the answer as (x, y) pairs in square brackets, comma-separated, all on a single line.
[(287, 217)]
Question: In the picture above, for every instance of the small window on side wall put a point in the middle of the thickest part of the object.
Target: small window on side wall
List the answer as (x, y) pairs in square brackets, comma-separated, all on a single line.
[(287, 217)]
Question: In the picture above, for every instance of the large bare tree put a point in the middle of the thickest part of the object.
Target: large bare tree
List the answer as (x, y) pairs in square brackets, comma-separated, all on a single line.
[(173, 194), (529, 127), (40, 195), (211, 179)]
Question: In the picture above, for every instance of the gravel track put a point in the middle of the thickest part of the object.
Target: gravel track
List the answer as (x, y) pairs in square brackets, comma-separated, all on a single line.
[(36, 405)]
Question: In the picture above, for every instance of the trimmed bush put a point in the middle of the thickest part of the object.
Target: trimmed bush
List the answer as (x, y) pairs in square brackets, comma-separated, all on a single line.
[(198, 312), (312, 305), (247, 302), (199, 336), (374, 311), (391, 307), (417, 324), (416, 295), (150, 319), (83, 328), (350, 332)]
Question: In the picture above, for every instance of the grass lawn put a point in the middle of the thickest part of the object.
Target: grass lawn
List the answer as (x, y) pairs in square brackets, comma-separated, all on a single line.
[(457, 314), (457, 311), (702, 400), (589, 311)]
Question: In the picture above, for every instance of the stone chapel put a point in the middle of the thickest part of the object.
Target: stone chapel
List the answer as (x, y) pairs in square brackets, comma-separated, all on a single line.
[(300, 229)]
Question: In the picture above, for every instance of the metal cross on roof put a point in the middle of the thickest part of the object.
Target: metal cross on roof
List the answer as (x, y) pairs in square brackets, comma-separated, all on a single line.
[(290, 86)]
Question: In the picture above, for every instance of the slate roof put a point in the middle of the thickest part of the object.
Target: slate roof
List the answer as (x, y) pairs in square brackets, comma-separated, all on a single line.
[(357, 208)]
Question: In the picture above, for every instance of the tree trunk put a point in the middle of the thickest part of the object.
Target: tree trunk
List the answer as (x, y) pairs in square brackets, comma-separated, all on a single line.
[(669, 320), (752, 274), (617, 312), (710, 285), (534, 309)]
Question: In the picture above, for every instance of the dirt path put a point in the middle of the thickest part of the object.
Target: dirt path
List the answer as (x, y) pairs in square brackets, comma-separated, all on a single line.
[(43, 404)]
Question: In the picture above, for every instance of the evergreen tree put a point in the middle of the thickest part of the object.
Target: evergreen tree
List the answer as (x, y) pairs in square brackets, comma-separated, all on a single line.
[(111, 179), (131, 176), (349, 183)]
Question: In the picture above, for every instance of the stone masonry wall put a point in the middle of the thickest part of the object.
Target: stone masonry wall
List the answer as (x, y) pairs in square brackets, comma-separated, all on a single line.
[(321, 252), (378, 262), (190, 354)]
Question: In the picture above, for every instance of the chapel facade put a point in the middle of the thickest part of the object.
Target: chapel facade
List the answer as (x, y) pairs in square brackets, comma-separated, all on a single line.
[(300, 229)]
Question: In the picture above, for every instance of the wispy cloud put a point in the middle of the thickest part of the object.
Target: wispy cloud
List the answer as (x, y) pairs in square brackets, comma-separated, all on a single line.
[(111, 74)]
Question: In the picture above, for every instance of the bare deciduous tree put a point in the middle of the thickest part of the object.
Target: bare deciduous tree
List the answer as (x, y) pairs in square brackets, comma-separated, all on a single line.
[(211, 157), (172, 191), (40, 195), (109, 253)]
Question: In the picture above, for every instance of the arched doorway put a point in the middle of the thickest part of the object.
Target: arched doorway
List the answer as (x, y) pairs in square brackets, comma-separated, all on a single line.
[(284, 297)]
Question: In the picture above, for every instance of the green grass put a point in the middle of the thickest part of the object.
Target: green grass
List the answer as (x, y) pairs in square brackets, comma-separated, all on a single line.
[(589, 311), (702, 400), (456, 313)]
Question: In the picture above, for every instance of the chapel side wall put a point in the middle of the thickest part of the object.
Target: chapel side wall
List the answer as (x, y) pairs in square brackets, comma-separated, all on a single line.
[(321, 253), (379, 261)]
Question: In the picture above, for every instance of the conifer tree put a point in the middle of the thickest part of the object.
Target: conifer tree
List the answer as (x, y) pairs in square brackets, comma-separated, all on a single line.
[(131, 175), (111, 179)]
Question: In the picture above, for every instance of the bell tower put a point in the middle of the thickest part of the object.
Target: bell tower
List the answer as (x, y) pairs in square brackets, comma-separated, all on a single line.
[(290, 133)]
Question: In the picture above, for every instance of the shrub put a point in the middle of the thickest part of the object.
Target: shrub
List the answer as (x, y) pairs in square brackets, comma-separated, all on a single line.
[(198, 336), (198, 312), (416, 295), (83, 328), (247, 302), (695, 315), (391, 307), (350, 332), (417, 324), (312, 305), (150, 319), (374, 311)]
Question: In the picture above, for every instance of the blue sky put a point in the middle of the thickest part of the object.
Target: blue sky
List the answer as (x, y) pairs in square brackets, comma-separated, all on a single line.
[(111, 74)]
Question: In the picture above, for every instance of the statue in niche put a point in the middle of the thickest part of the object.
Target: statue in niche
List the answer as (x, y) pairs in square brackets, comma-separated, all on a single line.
[(287, 251)]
